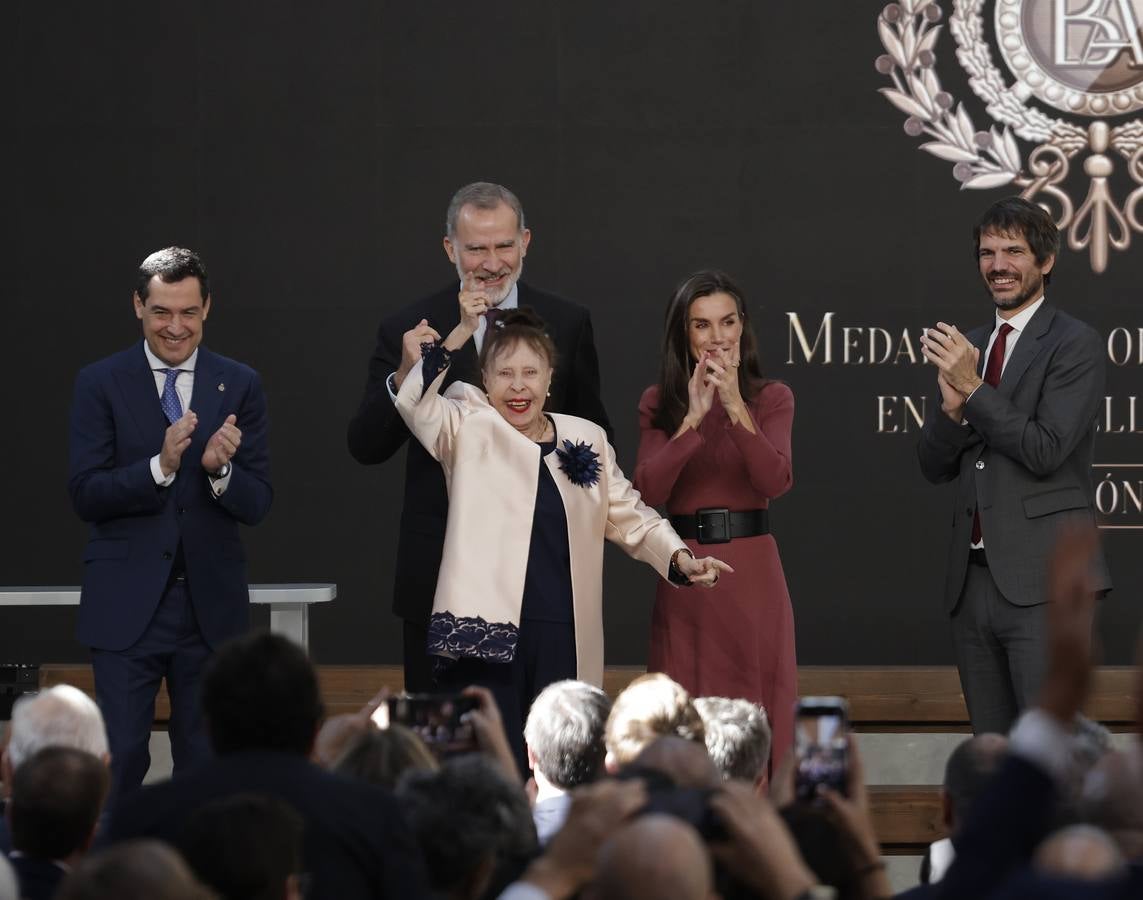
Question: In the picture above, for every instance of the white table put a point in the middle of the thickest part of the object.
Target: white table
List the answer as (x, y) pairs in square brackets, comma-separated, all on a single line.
[(289, 603)]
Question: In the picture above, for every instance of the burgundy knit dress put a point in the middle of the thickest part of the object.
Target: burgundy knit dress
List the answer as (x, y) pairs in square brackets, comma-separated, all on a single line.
[(736, 639)]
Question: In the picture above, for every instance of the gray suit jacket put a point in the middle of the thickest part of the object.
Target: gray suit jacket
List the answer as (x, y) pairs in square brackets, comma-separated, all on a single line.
[(1024, 455)]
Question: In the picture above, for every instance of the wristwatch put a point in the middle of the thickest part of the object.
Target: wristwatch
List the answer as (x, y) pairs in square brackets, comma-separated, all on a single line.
[(222, 472)]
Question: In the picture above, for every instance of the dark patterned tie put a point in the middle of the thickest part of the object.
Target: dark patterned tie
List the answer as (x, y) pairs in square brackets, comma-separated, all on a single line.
[(172, 407), (490, 316), (992, 377)]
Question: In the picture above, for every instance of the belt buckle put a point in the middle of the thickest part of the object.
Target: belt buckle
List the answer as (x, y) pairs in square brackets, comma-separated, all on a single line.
[(714, 525)]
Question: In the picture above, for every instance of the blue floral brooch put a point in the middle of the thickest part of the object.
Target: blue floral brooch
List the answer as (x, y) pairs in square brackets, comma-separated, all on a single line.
[(580, 463)]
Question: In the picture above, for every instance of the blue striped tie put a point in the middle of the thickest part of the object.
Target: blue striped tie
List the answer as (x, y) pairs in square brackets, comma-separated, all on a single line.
[(172, 407)]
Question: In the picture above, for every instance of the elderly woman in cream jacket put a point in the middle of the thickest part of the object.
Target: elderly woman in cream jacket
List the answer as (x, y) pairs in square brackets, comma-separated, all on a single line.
[(532, 496)]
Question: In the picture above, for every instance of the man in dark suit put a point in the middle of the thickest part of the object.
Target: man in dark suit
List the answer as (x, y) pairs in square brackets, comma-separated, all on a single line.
[(486, 240), (263, 707), (1016, 428), (168, 454)]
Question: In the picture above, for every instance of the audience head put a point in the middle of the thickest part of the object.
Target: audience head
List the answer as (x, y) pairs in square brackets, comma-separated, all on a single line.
[(260, 692), (651, 706), (685, 762), (564, 733), (133, 870), (56, 798), (472, 823), (969, 768), (245, 847), (737, 737), (1112, 799), (657, 856), (1080, 852), (61, 716), (381, 756)]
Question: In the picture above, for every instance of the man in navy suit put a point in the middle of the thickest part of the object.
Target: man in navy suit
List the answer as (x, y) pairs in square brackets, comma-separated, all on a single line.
[(486, 240), (168, 454)]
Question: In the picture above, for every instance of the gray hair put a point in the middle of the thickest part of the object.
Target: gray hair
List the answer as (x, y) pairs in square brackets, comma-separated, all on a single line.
[(61, 716), (737, 736), (482, 195), (565, 732)]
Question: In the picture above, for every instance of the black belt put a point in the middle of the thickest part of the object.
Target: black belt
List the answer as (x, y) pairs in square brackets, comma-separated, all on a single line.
[(720, 525), (977, 557)]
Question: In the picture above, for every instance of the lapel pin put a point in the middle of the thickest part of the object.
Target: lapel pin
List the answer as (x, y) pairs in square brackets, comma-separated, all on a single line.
[(221, 386)]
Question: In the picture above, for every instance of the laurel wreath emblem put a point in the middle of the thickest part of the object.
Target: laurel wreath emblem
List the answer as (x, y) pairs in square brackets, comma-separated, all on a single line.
[(988, 159)]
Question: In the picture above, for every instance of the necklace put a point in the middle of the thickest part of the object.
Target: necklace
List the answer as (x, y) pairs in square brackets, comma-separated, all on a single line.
[(539, 438)]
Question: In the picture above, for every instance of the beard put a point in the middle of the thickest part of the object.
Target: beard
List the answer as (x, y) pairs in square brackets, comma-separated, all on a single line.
[(1034, 289), (495, 298)]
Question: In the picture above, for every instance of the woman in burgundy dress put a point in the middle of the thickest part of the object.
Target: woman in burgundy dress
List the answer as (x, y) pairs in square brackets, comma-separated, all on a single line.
[(715, 449)]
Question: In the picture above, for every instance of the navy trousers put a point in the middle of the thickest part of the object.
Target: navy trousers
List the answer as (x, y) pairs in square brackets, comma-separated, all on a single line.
[(127, 682)]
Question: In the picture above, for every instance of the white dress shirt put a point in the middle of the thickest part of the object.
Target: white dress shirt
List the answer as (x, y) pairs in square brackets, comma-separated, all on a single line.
[(184, 387)]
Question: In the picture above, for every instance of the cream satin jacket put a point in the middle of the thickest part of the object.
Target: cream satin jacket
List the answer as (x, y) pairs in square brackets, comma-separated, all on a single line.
[(491, 473)]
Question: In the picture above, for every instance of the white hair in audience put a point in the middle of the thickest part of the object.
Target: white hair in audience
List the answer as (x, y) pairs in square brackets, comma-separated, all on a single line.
[(61, 716), (737, 735)]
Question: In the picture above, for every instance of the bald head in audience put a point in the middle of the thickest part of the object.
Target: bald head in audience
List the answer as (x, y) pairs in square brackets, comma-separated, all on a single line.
[(969, 767), (651, 706), (1112, 799), (1081, 852), (61, 716), (654, 856)]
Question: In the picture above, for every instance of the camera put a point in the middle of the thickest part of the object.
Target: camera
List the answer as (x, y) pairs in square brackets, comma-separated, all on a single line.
[(435, 718), (821, 746)]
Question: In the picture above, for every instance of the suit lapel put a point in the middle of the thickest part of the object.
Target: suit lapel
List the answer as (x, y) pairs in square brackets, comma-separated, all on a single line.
[(1026, 349), (209, 388), (137, 382)]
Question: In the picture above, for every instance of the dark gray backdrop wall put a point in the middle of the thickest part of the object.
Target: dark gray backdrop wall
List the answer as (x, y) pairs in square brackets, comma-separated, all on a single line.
[(308, 152)]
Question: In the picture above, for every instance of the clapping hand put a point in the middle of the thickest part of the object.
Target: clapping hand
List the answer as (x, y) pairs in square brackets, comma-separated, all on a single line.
[(700, 394), (222, 446)]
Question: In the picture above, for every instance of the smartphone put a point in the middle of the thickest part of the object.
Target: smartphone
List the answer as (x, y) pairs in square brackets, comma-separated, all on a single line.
[(821, 746), (434, 718)]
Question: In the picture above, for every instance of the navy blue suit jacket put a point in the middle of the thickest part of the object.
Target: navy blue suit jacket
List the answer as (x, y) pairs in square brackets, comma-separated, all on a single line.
[(136, 527)]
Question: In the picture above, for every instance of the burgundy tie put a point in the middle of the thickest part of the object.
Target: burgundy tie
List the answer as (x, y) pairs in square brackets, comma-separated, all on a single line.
[(490, 316), (992, 378)]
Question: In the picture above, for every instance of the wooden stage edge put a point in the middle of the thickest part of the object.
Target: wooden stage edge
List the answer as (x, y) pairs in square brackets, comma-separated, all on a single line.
[(882, 699)]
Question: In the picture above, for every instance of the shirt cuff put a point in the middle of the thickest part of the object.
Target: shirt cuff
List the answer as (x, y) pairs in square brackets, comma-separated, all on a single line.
[(218, 486), (157, 473), (391, 387), (973, 391), (1040, 739)]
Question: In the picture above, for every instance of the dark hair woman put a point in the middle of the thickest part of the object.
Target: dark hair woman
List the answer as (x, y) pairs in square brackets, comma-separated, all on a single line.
[(532, 497), (715, 450)]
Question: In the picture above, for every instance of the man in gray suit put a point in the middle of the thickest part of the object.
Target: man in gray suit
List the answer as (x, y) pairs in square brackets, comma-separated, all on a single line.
[(1016, 428)]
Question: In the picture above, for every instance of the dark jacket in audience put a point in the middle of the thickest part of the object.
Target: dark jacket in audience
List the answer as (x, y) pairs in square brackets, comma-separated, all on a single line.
[(356, 844), (39, 879)]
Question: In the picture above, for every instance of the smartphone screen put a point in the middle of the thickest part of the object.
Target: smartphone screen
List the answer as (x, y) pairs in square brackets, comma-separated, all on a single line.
[(821, 745), (434, 718)]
